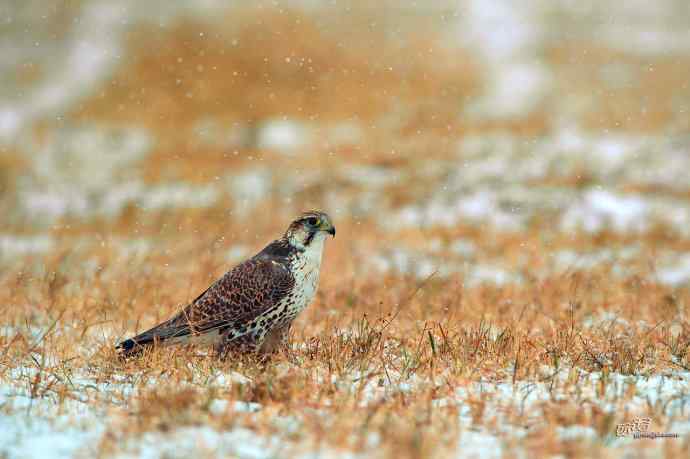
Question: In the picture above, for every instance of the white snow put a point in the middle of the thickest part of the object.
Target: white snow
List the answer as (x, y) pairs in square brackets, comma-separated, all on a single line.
[(249, 188), (80, 59), (463, 248), (88, 58), (41, 428), (506, 37), (219, 407), (283, 135), (422, 266), (89, 156), (601, 209), (237, 252), (642, 28), (179, 195), (200, 441), (676, 272), (370, 176), (484, 273), (566, 260), (51, 205), (38, 428), (26, 436), (477, 207), (574, 432), (478, 445), (11, 245)]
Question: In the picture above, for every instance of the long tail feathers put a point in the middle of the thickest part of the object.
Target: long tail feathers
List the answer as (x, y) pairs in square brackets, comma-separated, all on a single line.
[(135, 346), (132, 347), (163, 334)]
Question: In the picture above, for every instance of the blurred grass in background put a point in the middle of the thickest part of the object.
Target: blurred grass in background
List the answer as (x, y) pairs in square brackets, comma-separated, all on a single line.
[(510, 182)]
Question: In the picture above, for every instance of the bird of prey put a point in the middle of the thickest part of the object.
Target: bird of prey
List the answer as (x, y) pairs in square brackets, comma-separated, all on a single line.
[(250, 308)]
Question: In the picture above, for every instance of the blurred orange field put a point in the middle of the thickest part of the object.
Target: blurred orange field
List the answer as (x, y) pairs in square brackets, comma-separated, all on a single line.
[(502, 284)]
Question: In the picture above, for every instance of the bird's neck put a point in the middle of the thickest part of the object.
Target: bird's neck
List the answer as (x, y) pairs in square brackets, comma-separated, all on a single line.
[(309, 250)]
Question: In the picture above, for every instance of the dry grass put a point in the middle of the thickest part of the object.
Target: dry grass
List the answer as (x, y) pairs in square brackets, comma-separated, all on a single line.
[(383, 364), (11, 166), (264, 63), (619, 91), (361, 338)]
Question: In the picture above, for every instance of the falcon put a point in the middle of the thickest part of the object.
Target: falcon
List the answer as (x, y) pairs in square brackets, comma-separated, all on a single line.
[(251, 308)]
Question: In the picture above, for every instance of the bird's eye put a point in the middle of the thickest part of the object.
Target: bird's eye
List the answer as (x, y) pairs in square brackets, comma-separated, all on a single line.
[(313, 221)]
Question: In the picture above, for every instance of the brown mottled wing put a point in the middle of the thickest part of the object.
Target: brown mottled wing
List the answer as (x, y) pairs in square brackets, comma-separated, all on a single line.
[(242, 294)]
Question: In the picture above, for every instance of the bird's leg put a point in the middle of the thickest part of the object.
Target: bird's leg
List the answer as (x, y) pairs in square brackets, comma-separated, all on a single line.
[(222, 350), (285, 344), (259, 344), (285, 337), (229, 346), (275, 340)]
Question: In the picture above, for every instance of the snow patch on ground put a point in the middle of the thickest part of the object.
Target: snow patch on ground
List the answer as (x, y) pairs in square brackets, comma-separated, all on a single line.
[(51, 205), (675, 272), (178, 195), (26, 436), (11, 245), (478, 445), (423, 266), (283, 135), (567, 260), (89, 156), (507, 38), (200, 441), (237, 253), (33, 428), (88, 56), (41, 427), (600, 209), (506, 181), (249, 188)]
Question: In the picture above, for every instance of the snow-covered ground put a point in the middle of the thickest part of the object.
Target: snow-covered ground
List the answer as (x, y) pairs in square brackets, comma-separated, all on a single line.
[(43, 427), (570, 179)]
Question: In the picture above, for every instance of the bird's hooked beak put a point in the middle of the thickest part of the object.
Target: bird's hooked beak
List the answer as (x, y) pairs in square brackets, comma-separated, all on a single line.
[(327, 226)]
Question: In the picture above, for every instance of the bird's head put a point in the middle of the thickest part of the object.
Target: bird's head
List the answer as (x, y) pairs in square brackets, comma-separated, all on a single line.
[(310, 227)]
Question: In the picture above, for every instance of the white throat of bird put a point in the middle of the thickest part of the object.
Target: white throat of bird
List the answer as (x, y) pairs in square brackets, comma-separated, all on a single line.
[(311, 253)]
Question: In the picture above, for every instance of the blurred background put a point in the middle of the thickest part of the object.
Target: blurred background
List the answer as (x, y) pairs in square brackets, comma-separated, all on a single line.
[(509, 179), (467, 136)]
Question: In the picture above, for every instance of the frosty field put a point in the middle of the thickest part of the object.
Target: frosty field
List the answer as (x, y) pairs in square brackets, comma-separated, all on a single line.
[(510, 182)]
